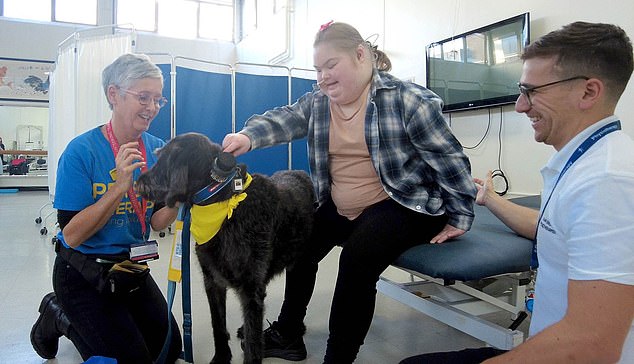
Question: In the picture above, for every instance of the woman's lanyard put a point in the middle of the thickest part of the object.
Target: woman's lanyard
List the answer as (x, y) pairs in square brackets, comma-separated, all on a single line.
[(589, 142), (139, 208)]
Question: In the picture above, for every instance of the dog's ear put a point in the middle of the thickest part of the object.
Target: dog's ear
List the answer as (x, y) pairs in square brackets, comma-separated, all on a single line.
[(177, 191)]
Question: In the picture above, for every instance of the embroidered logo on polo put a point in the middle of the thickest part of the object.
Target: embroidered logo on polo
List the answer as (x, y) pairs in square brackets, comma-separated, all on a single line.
[(546, 225)]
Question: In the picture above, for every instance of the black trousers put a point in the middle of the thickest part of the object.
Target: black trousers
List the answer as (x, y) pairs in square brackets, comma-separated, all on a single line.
[(370, 244), (130, 328)]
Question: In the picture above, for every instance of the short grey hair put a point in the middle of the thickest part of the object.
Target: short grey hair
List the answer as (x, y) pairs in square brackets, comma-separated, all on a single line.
[(127, 69)]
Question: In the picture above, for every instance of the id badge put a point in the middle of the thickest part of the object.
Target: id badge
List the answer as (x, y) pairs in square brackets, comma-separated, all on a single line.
[(144, 252)]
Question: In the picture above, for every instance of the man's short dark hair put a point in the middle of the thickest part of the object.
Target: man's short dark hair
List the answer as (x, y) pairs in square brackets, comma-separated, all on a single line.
[(602, 51)]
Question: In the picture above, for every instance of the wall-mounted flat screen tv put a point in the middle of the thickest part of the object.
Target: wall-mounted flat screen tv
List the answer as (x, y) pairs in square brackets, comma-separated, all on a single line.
[(479, 68)]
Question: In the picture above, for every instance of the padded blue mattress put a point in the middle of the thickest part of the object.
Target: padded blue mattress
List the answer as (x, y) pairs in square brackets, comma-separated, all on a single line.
[(488, 249)]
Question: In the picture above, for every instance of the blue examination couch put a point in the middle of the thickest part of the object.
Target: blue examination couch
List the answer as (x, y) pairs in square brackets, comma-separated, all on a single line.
[(460, 282)]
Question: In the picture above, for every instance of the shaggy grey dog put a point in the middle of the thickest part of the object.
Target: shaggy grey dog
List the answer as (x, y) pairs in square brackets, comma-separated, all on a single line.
[(266, 232)]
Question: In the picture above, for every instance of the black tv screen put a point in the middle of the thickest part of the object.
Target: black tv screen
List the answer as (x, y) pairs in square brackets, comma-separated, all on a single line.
[(479, 68)]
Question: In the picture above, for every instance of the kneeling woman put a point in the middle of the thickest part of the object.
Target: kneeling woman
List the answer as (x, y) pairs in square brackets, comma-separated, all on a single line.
[(123, 317)]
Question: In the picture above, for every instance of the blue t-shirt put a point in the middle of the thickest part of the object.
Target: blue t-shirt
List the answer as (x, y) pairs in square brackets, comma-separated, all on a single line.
[(84, 174)]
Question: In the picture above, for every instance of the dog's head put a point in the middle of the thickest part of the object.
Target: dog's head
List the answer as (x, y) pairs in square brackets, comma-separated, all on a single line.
[(185, 166)]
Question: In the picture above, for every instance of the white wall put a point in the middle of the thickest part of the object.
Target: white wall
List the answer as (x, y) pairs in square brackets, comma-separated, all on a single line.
[(405, 27)]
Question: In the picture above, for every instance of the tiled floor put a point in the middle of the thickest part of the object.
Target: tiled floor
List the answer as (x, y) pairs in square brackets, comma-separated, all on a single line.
[(26, 259)]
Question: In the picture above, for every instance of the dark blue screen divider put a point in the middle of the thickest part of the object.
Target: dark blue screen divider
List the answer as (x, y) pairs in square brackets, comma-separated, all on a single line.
[(299, 148), (203, 103), (161, 125), (256, 94)]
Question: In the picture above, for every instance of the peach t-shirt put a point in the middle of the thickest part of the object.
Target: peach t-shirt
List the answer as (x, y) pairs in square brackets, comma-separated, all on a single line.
[(355, 184)]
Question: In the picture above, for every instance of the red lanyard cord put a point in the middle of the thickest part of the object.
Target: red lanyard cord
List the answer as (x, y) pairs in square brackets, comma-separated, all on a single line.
[(139, 208)]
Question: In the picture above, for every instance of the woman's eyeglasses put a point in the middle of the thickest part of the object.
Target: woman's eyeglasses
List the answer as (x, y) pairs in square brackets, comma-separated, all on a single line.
[(527, 90), (145, 98)]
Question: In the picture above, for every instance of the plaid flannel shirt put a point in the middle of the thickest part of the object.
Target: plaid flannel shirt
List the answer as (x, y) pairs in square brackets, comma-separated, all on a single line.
[(420, 163)]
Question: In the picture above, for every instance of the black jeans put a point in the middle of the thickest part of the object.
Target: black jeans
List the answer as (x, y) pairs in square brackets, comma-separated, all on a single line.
[(370, 243), (131, 328)]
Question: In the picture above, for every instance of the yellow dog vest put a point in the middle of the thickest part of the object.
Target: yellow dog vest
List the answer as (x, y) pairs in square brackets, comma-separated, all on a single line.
[(206, 221)]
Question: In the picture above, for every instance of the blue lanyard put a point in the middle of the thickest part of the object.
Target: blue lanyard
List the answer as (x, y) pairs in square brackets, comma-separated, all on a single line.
[(589, 142)]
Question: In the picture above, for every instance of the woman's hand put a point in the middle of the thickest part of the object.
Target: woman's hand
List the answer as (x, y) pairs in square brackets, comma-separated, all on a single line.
[(236, 144), (448, 232), (128, 159)]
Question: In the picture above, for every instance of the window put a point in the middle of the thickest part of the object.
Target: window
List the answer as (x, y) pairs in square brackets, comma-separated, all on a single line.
[(435, 50), (248, 17), (70, 11), (259, 14), (211, 19), (177, 18), (140, 13), (216, 21), (76, 11), (454, 50), (506, 48), (476, 48), (28, 9)]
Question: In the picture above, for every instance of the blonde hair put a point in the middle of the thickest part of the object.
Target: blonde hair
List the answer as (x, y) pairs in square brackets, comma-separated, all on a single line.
[(345, 37)]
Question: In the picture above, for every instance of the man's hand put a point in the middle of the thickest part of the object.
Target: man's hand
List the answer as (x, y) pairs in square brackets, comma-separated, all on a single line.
[(485, 189)]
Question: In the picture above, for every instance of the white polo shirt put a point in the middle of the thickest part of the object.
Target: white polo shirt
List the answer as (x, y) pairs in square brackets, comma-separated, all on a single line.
[(587, 229)]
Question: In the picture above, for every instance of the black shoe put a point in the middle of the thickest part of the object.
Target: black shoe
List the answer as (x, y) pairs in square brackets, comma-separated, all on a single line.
[(49, 327), (286, 347)]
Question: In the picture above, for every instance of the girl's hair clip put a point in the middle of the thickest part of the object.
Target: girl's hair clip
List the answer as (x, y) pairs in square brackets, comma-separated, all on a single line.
[(371, 41), (325, 26)]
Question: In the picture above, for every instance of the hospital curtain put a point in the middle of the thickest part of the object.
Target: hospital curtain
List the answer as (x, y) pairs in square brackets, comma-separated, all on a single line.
[(77, 101)]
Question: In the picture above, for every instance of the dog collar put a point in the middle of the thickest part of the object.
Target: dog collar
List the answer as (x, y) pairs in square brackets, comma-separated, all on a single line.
[(211, 189), (207, 220)]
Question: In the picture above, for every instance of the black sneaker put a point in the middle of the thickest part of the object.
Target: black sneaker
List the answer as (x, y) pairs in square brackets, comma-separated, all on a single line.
[(286, 347)]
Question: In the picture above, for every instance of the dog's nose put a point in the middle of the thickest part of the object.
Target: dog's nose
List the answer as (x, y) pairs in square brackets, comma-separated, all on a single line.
[(141, 186)]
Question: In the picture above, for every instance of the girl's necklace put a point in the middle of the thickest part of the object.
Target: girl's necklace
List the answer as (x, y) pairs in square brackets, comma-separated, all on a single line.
[(339, 111)]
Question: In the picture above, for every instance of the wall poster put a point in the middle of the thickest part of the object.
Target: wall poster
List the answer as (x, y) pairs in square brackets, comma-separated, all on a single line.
[(24, 79)]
